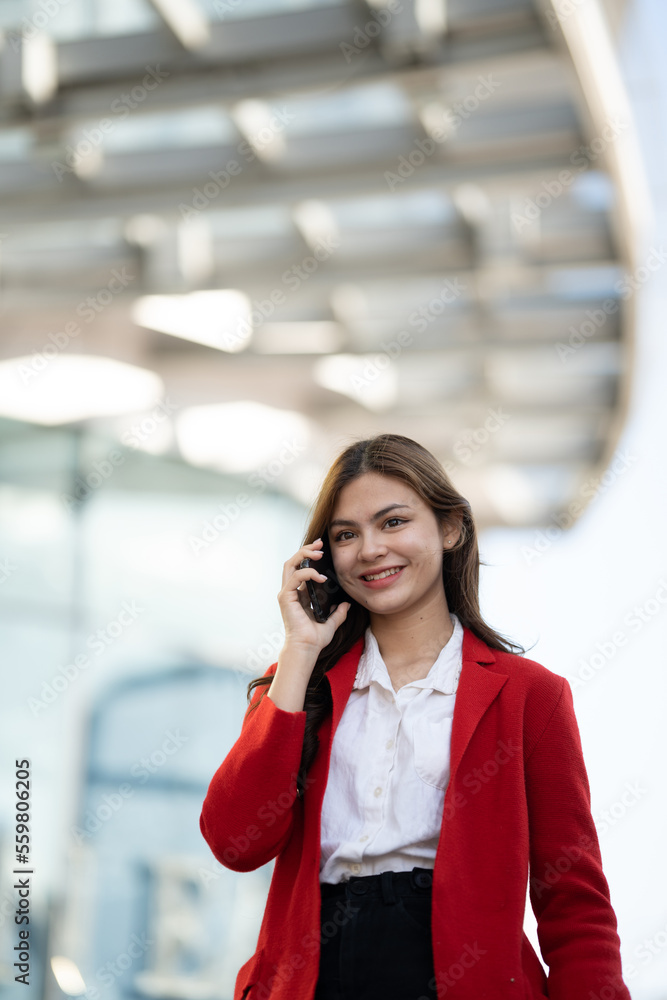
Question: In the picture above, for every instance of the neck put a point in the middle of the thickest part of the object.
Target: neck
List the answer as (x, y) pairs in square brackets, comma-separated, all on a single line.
[(410, 635)]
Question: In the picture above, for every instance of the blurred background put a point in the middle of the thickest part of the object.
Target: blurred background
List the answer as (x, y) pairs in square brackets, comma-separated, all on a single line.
[(236, 235)]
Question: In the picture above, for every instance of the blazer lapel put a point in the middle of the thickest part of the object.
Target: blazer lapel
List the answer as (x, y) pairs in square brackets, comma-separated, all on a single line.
[(477, 689), (341, 678)]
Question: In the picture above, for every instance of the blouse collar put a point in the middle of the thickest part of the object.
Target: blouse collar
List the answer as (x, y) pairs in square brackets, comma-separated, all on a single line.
[(443, 675)]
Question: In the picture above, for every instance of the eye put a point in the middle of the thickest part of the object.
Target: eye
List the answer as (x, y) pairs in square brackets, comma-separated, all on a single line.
[(339, 537), (393, 521)]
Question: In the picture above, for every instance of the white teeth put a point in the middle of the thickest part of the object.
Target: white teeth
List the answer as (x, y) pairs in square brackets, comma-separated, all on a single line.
[(387, 572)]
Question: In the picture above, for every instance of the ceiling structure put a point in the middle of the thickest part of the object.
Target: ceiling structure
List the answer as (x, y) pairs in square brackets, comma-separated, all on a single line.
[(413, 216)]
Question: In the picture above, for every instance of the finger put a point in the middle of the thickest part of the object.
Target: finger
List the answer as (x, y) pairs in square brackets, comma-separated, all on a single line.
[(315, 547), (307, 573), (306, 551), (294, 584)]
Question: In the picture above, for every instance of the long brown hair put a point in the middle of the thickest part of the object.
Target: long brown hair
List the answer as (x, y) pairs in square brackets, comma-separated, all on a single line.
[(404, 459)]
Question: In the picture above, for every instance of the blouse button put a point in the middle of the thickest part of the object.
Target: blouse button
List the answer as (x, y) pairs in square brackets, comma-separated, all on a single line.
[(365, 837), (389, 744), (355, 869), (378, 791)]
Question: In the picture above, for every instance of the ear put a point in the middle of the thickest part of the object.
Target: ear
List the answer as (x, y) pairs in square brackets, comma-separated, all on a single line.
[(451, 530)]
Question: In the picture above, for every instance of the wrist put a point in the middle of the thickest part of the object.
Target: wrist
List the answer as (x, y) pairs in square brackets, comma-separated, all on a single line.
[(299, 656)]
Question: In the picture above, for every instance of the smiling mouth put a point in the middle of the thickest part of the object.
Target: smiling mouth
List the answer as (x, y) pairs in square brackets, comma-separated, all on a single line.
[(383, 574)]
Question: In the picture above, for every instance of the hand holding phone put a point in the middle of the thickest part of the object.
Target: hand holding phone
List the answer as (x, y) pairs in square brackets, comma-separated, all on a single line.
[(322, 597), (311, 614)]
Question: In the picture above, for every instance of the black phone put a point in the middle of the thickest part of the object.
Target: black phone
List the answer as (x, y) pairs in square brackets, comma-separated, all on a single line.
[(322, 595)]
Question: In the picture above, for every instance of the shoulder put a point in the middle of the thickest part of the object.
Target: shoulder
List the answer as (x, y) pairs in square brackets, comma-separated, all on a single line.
[(532, 691), (541, 691), (543, 699), (528, 674), (524, 673)]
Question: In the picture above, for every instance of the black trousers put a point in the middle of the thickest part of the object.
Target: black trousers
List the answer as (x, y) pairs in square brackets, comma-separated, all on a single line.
[(376, 938)]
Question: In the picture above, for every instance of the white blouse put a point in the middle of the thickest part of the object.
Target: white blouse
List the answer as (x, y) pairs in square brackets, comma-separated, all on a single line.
[(389, 767)]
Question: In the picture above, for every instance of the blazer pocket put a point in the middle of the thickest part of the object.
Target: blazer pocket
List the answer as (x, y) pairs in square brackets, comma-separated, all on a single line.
[(432, 741)]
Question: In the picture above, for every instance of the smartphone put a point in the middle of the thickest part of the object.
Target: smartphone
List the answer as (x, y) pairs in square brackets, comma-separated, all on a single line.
[(322, 594)]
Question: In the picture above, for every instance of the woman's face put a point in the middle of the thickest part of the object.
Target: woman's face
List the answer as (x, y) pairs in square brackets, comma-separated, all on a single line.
[(381, 528)]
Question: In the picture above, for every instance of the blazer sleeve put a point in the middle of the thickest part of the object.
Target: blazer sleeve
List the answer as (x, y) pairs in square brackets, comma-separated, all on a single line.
[(248, 812), (576, 924)]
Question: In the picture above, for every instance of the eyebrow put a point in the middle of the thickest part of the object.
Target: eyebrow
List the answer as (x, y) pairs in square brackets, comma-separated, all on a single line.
[(376, 517)]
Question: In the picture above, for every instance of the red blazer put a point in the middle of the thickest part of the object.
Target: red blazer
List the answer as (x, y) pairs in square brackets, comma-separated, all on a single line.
[(518, 795)]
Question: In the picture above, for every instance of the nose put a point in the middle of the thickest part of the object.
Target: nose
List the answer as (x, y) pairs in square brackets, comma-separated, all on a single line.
[(372, 546)]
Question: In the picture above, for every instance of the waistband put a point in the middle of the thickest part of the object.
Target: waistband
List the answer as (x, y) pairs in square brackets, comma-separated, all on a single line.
[(386, 885)]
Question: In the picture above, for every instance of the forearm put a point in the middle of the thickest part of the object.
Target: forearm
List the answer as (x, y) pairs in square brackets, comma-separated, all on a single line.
[(288, 688), (247, 813)]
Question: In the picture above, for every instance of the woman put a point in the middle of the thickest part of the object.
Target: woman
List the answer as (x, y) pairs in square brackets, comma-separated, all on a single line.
[(407, 770)]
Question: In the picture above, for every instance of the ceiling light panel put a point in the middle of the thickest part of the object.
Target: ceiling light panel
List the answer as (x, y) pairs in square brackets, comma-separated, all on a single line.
[(219, 318), (63, 388), (242, 436)]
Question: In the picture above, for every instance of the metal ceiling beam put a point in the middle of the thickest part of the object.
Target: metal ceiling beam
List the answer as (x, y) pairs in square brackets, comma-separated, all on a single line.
[(530, 73), (522, 281), (186, 20), (231, 43), (272, 37), (75, 200)]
